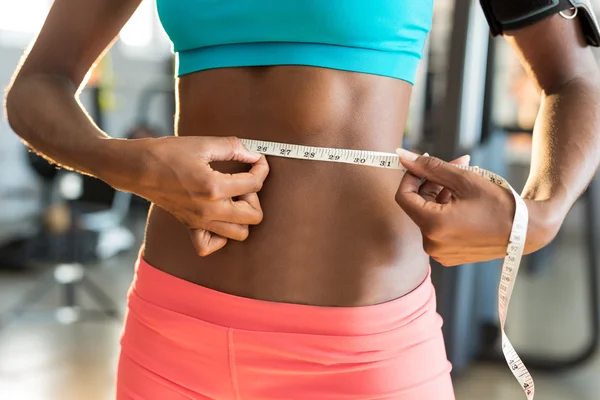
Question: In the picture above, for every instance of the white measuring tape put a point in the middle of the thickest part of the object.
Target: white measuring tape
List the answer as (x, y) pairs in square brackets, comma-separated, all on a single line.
[(514, 251)]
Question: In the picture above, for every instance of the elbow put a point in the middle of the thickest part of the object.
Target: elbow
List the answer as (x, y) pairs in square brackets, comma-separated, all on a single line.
[(580, 91), (23, 101), (586, 80), (8, 106), (12, 108), (29, 96)]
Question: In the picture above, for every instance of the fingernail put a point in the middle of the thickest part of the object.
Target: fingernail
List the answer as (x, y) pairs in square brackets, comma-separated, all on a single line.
[(466, 158), (425, 154), (407, 155)]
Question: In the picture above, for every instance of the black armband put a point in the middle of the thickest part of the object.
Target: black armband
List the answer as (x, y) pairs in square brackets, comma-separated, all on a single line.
[(504, 15)]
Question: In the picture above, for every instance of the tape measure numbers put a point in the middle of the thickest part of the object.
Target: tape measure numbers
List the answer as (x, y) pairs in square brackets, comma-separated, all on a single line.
[(514, 251)]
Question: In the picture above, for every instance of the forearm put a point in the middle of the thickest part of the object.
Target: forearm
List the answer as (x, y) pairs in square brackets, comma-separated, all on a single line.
[(44, 111), (566, 150)]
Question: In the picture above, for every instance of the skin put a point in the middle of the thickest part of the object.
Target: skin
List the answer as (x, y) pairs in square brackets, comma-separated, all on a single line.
[(318, 233), (565, 157)]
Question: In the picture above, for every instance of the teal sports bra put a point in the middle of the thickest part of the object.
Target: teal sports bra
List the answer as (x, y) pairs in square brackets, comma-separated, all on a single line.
[(381, 37)]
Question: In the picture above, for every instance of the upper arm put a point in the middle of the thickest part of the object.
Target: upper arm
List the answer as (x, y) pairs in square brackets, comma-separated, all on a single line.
[(554, 52), (74, 36)]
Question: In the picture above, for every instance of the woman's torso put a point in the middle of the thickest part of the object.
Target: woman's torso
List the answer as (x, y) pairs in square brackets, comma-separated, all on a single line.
[(332, 234)]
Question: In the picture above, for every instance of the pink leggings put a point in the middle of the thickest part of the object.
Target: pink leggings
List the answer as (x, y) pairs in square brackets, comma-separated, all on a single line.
[(184, 341)]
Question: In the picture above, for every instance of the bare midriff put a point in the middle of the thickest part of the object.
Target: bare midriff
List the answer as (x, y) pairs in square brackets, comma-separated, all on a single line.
[(332, 234)]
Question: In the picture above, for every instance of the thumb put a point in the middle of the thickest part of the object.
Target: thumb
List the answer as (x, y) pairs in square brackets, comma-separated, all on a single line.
[(434, 170), (445, 194), (228, 149)]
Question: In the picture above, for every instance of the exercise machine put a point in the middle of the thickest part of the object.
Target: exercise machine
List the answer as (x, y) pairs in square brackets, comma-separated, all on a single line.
[(70, 275), (467, 294)]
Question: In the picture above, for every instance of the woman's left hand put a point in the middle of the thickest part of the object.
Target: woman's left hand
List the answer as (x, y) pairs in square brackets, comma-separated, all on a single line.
[(463, 217)]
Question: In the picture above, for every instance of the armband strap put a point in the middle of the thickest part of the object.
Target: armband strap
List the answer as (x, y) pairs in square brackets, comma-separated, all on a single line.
[(505, 15)]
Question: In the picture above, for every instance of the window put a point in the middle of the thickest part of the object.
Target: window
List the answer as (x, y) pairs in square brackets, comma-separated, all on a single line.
[(20, 20), (139, 30), (23, 16), (143, 36)]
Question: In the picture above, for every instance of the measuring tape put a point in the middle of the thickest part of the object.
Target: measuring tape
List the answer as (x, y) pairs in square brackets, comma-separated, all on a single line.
[(514, 251)]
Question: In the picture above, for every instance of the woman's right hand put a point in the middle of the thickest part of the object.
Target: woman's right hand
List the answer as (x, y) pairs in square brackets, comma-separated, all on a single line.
[(177, 176)]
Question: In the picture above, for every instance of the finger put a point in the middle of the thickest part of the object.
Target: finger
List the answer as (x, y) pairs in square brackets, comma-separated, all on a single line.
[(431, 191), (419, 209), (234, 185), (228, 230), (239, 212), (248, 208), (445, 195), (228, 149), (252, 199), (206, 242), (435, 170)]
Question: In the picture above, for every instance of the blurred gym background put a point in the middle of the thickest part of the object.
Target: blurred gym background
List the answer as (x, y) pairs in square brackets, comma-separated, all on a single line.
[(68, 243)]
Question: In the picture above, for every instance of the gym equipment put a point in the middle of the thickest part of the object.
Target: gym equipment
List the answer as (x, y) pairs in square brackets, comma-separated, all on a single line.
[(458, 133), (466, 123), (70, 275), (590, 349), (20, 192)]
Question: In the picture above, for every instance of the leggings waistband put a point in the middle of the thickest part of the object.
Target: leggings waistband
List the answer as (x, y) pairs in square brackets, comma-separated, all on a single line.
[(226, 310)]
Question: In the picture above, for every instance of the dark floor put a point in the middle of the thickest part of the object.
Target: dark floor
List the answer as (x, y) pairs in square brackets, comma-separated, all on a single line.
[(43, 361)]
